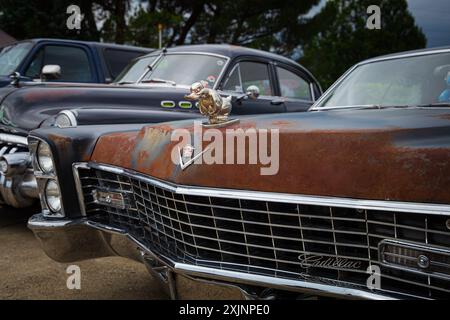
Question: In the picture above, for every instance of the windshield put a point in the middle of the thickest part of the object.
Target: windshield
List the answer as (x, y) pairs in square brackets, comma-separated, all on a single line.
[(185, 69), (12, 56), (134, 70), (419, 80)]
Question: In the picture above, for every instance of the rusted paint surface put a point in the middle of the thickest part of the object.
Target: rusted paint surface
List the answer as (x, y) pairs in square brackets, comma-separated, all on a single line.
[(402, 158), (61, 141), (41, 95), (117, 147)]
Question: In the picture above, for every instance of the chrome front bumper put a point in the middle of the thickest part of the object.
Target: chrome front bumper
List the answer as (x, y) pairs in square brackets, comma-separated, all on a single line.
[(18, 186), (75, 240)]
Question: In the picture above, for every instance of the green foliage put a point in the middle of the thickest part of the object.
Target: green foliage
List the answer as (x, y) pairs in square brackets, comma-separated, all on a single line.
[(275, 25), (342, 38), (331, 41)]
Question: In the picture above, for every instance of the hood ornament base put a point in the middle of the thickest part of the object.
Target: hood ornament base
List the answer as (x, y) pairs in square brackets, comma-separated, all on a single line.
[(228, 122), (212, 105)]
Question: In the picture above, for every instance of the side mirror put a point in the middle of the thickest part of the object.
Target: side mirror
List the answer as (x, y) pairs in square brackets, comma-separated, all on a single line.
[(15, 78), (50, 72), (252, 92)]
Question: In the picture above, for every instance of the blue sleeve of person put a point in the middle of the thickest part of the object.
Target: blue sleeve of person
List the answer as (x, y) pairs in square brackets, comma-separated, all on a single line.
[(445, 95)]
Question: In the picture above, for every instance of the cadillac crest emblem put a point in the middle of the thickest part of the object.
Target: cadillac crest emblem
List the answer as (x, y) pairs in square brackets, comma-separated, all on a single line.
[(187, 156)]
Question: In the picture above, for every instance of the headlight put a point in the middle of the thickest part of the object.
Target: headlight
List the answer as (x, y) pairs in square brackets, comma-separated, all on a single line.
[(66, 119), (53, 196), (44, 158), (3, 166)]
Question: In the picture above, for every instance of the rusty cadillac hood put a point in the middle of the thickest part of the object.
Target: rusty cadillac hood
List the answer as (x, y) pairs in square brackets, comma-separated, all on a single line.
[(387, 154)]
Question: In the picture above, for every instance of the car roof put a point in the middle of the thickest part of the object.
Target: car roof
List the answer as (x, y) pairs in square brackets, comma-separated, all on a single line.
[(407, 53), (233, 51), (93, 43), (228, 50)]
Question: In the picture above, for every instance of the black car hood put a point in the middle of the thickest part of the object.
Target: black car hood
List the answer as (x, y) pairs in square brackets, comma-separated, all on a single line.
[(25, 108)]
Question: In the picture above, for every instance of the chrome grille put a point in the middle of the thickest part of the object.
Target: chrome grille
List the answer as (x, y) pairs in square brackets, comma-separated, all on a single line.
[(9, 148), (270, 238)]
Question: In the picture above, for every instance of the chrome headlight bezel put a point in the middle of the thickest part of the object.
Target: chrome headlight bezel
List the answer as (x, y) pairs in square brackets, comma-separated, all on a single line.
[(65, 119), (49, 209), (44, 158), (52, 196)]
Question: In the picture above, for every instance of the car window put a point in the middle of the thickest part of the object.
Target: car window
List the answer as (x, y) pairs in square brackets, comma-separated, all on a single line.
[(292, 85), (185, 69), (73, 61), (12, 56), (257, 74), (134, 70), (117, 60), (233, 83), (405, 81), (34, 69)]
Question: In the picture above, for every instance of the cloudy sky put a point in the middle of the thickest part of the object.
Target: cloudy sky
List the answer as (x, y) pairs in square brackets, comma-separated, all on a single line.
[(433, 16)]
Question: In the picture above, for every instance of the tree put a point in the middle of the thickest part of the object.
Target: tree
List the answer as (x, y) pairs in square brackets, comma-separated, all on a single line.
[(342, 38), (276, 25), (25, 19)]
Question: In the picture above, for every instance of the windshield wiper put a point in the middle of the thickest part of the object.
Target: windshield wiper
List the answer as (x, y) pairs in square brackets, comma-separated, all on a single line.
[(367, 106), (379, 106), (156, 80), (437, 104)]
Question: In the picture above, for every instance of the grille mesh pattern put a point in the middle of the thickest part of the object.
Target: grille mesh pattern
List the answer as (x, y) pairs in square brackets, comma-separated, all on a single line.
[(278, 239)]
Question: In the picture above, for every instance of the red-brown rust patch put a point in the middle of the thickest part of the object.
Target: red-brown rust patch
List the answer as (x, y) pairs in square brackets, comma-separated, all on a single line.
[(115, 149), (44, 95), (353, 164), (62, 142), (162, 164), (282, 123), (444, 116), (241, 125), (164, 128)]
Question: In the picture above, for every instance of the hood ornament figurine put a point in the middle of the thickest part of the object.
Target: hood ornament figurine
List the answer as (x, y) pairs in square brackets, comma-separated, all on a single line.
[(212, 105)]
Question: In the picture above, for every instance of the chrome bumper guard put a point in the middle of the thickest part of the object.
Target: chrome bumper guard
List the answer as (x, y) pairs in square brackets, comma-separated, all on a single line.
[(81, 239), (18, 186)]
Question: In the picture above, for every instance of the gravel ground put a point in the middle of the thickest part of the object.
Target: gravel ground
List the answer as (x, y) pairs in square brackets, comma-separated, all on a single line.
[(27, 273)]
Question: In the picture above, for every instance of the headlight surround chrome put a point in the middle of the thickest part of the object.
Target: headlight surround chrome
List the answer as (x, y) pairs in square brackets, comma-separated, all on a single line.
[(66, 119), (44, 158), (52, 196)]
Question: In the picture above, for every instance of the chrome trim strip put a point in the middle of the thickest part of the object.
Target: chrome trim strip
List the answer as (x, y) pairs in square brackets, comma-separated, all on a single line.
[(165, 104), (414, 246), (72, 118), (382, 205), (311, 89), (341, 78), (10, 138), (78, 187), (188, 103), (218, 274)]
